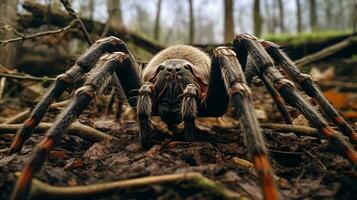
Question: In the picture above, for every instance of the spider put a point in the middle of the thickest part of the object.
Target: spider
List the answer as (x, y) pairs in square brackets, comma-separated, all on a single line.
[(180, 84)]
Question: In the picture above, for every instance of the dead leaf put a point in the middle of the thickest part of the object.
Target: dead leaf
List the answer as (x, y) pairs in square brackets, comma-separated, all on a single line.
[(327, 75), (73, 163)]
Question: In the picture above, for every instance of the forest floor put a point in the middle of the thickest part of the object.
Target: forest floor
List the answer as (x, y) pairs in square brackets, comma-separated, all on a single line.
[(306, 167)]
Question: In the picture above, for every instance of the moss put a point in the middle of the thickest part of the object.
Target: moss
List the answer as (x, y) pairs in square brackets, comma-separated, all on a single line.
[(305, 37)]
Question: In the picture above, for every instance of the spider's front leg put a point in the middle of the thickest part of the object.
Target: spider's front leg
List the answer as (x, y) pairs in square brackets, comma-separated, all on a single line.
[(144, 108), (265, 67), (189, 111), (97, 80), (82, 65), (227, 80)]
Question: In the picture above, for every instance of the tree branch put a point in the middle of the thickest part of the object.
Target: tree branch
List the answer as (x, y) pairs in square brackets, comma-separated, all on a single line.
[(26, 77), (40, 34), (40, 189), (328, 51), (69, 9), (59, 18), (76, 129)]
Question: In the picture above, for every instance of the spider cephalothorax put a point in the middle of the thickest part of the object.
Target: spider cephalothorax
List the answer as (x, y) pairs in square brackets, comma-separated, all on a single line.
[(182, 83)]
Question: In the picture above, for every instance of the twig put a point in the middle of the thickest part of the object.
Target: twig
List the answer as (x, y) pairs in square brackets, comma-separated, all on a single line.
[(40, 34), (71, 12), (299, 130), (76, 129), (19, 118), (2, 86), (346, 86), (26, 77), (322, 166), (328, 51), (40, 189)]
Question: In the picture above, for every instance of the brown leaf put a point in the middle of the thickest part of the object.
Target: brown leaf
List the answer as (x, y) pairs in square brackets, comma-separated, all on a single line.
[(73, 163)]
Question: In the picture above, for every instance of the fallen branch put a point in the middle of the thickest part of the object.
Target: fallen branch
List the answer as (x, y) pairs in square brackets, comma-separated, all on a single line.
[(2, 86), (76, 129), (328, 51), (298, 130), (26, 77), (19, 118), (69, 9), (35, 35), (40, 189), (59, 18)]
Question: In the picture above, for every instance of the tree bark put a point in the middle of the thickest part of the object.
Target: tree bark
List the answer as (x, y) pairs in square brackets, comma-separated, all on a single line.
[(281, 16), (228, 21), (313, 16), (157, 21), (114, 14), (8, 10), (192, 23), (354, 17), (298, 16), (258, 21)]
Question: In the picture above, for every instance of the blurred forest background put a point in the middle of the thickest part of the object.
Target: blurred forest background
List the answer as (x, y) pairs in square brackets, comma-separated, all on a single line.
[(300, 27), (167, 22)]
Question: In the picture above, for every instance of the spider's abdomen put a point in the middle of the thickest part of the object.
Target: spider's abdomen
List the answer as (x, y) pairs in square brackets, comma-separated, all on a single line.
[(200, 60)]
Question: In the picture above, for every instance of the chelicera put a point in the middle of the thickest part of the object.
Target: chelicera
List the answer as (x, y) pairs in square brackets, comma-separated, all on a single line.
[(180, 84)]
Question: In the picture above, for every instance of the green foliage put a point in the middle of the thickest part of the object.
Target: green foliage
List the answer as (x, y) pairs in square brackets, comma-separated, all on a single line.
[(305, 37)]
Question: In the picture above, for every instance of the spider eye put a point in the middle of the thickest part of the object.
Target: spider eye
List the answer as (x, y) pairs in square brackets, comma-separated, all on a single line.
[(161, 67), (187, 66)]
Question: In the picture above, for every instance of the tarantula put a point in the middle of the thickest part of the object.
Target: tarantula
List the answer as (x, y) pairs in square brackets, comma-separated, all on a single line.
[(182, 83)]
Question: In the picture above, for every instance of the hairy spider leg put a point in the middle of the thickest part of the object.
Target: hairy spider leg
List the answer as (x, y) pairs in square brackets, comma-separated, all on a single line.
[(250, 73), (98, 79), (82, 65), (266, 68), (305, 82), (226, 68)]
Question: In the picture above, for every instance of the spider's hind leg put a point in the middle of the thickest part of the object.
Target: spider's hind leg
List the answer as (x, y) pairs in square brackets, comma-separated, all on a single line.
[(306, 84), (266, 68)]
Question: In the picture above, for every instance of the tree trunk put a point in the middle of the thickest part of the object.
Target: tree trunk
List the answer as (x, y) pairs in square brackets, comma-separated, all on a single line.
[(228, 21), (8, 11), (281, 16), (114, 14), (91, 9), (313, 16), (192, 23), (257, 18), (354, 17), (157, 21), (298, 16)]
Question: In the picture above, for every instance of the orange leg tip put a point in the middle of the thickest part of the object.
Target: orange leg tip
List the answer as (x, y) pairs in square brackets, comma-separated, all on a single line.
[(263, 168), (352, 156), (16, 145), (25, 177)]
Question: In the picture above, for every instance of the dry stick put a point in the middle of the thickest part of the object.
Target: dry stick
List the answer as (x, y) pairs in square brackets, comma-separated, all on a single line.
[(40, 189), (328, 51), (322, 166), (26, 77), (76, 129), (19, 118), (2, 86), (299, 130), (71, 12), (40, 34)]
